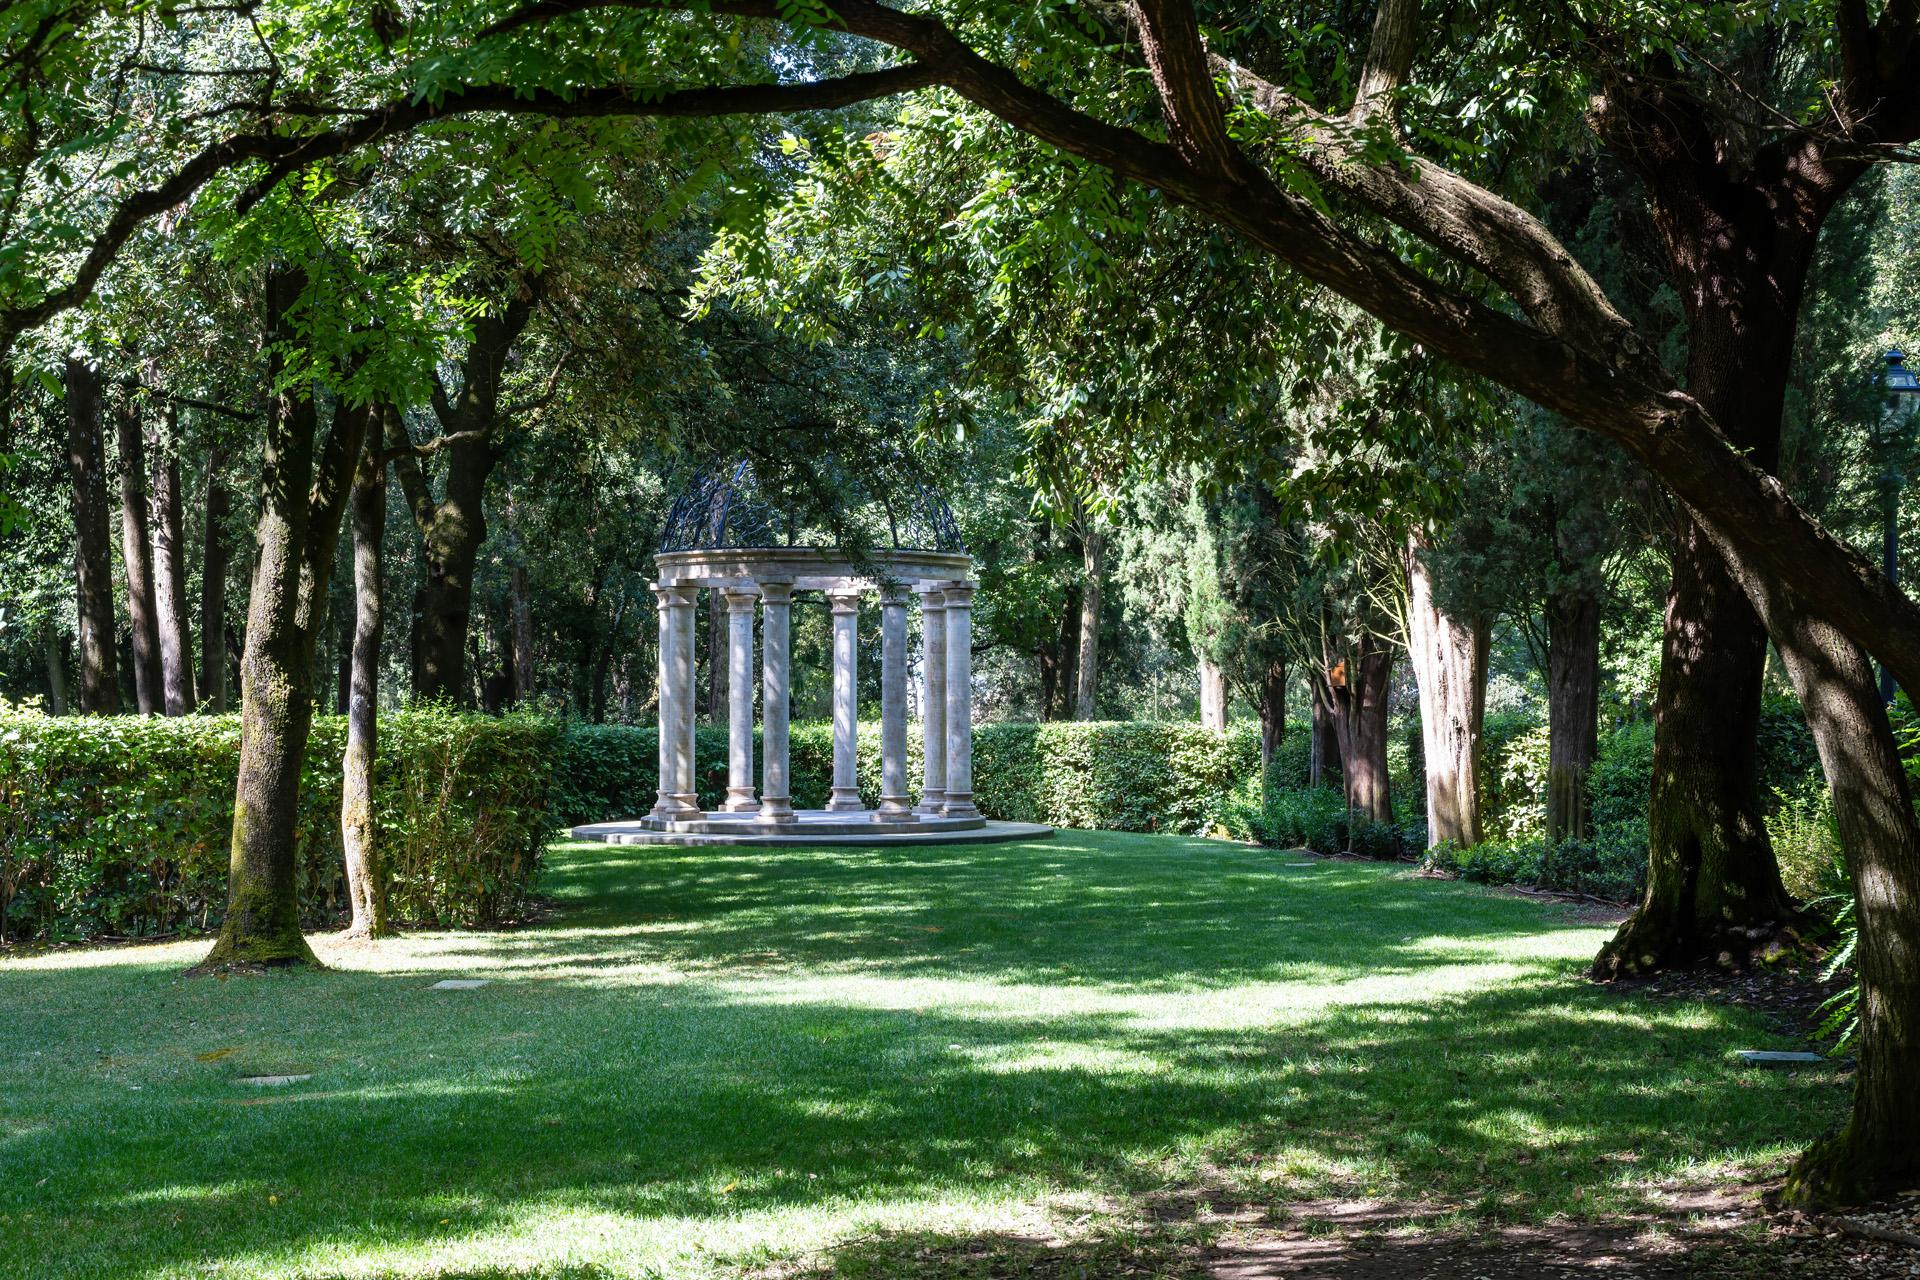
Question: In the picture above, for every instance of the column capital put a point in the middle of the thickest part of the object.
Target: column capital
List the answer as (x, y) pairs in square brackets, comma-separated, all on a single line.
[(960, 593), (672, 594), (741, 599), (892, 593), (845, 601), (776, 592), (933, 596)]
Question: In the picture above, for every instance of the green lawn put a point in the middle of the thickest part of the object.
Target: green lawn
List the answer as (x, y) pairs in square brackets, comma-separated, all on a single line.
[(709, 1060)]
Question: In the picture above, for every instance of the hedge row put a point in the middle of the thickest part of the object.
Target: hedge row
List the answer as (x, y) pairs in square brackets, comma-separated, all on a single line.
[(1118, 776), (119, 826)]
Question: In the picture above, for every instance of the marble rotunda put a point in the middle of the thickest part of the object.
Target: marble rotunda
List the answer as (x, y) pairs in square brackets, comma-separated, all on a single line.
[(897, 542)]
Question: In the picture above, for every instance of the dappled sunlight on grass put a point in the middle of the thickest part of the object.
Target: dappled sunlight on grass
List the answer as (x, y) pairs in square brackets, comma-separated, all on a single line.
[(707, 1059)]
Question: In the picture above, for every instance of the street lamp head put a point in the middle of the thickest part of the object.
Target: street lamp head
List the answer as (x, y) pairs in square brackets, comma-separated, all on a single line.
[(1898, 379)]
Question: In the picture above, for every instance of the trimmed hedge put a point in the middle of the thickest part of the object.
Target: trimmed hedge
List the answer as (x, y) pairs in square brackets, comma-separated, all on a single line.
[(1118, 776), (119, 826)]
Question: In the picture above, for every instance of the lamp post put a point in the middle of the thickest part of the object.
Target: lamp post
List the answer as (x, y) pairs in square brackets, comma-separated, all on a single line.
[(1893, 440)]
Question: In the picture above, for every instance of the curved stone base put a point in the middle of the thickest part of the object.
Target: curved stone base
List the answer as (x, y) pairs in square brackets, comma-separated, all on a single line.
[(811, 826)]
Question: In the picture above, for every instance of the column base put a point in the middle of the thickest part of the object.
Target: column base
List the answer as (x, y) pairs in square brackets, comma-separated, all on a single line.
[(894, 809), (671, 807), (931, 802), (844, 800), (959, 805), (777, 809), (689, 802), (740, 800)]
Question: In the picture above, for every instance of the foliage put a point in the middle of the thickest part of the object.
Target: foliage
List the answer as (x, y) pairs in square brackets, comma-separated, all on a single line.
[(1566, 866), (118, 826)]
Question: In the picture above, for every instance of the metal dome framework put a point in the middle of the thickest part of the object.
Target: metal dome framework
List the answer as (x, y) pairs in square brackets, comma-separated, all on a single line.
[(875, 510), (875, 530)]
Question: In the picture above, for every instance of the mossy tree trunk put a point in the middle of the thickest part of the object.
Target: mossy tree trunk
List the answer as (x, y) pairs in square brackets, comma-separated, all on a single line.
[(359, 831), (303, 495), (1359, 692), (1323, 758)]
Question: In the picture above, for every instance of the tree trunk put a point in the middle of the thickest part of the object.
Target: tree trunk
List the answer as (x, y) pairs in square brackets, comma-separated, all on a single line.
[(1213, 696), (92, 554), (302, 501), (1573, 709), (1086, 667), (1360, 700), (520, 591), (53, 647), (170, 572), (136, 553), (1323, 759), (453, 527), (1273, 711), (1878, 1148), (213, 592), (359, 834), (1450, 664)]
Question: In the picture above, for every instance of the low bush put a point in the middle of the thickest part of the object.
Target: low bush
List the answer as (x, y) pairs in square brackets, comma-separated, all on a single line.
[(1565, 866), (119, 826), (1117, 776)]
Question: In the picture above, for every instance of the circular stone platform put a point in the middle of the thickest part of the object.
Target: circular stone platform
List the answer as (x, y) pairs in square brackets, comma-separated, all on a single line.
[(810, 827)]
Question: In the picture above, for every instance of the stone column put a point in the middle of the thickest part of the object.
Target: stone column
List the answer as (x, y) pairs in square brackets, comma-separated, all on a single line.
[(959, 791), (776, 600), (740, 797), (666, 708), (674, 691), (895, 804), (933, 703), (846, 702), (686, 600)]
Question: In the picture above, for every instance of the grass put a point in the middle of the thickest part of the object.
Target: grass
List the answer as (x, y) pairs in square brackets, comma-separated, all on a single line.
[(711, 1060)]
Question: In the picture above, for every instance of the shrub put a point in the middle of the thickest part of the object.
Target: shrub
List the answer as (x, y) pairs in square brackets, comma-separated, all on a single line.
[(1566, 866), (1118, 776), (119, 826)]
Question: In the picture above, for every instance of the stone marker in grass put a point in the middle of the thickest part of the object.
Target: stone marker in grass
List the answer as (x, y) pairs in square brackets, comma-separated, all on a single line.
[(1776, 1058), (274, 1081), (459, 984)]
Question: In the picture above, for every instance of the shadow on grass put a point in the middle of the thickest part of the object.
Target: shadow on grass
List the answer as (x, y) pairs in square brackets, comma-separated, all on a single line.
[(631, 1072)]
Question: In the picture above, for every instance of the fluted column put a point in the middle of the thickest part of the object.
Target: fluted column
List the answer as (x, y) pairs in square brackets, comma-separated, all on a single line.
[(895, 804), (740, 796), (933, 702), (959, 789), (846, 702), (684, 601), (675, 688), (776, 800)]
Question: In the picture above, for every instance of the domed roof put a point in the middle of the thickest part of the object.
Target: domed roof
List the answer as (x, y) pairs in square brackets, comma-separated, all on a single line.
[(881, 506)]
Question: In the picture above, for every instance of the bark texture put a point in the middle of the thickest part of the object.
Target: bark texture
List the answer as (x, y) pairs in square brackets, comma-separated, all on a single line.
[(519, 593), (1213, 695), (1878, 1148), (1359, 691), (303, 495), (170, 572), (359, 832), (1573, 709), (136, 553), (1273, 710), (1449, 657), (92, 553), (53, 650), (213, 591), (1086, 667), (1323, 759)]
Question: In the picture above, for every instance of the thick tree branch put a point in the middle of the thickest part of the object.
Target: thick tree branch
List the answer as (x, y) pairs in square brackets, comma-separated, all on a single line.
[(1182, 76)]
